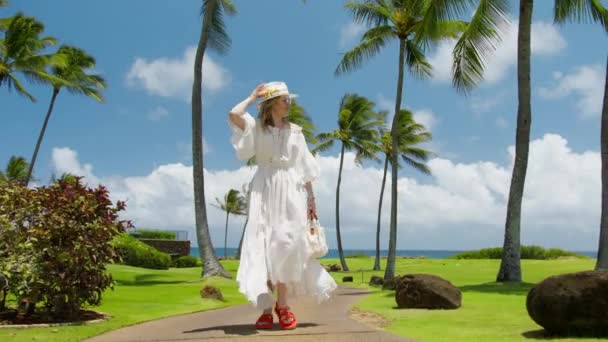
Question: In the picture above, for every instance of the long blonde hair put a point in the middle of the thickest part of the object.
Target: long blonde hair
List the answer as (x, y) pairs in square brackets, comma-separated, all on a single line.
[(265, 114)]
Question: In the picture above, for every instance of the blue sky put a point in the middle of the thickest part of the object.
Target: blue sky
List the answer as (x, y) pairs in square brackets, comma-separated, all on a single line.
[(138, 141)]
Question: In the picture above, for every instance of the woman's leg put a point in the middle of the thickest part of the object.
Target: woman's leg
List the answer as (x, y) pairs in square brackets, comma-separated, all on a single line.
[(282, 294)]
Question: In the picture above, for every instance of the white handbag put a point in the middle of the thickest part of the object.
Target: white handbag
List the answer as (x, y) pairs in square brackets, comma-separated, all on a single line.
[(317, 244)]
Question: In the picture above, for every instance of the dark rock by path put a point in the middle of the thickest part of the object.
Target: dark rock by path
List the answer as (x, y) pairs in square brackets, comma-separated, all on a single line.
[(571, 303), (426, 291)]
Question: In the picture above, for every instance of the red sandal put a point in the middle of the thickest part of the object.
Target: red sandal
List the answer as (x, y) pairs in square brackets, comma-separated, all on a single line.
[(264, 322), (287, 320)]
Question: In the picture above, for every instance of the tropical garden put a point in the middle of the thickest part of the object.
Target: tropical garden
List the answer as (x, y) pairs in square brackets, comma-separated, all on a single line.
[(63, 245)]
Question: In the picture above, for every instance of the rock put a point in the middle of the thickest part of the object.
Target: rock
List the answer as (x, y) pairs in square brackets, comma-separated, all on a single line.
[(426, 291), (347, 279), (211, 292), (571, 303), (376, 281), (333, 268), (389, 284)]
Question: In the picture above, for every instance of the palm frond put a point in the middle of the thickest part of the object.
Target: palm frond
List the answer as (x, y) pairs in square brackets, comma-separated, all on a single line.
[(366, 50), (583, 11), (416, 61), (422, 167), (212, 12), (372, 14), (477, 43), (14, 82)]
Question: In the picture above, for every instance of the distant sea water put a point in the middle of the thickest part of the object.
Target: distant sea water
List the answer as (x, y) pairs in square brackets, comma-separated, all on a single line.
[(333, 253)]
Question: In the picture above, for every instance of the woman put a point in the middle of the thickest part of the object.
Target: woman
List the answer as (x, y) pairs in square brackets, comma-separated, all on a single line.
[(274, 253)]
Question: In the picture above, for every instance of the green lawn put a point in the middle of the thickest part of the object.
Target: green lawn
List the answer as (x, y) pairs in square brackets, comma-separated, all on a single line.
[(490, 311), (140, 295)]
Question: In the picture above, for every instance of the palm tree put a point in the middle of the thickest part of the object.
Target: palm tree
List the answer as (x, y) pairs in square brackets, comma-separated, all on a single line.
[(16, 170), (4, 22), (76, 80), (586, 11), (20, 53), (247, 191), (410, 134), (297, 114), (417, 25), (214, 36), (510, 265), (357, 130), (234, 203)]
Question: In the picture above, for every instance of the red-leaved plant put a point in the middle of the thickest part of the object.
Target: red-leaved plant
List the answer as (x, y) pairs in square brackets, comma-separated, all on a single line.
[(55, 243)]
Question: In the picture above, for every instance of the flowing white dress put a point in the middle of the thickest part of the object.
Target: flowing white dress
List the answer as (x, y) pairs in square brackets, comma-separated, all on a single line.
[(274, 245)]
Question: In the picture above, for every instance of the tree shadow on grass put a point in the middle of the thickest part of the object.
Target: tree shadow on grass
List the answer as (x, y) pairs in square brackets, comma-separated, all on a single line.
[(519, 289), (243, 329), (542, 334), (149, 279)]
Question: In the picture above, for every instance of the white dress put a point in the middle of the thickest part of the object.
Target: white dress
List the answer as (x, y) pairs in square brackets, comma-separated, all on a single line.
[(274, 245)]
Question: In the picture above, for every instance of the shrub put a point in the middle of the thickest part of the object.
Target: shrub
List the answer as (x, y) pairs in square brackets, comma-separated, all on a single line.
[(55, 243), (186, 261), (136, 253), (527, 252), (154, 234), (357, 256)]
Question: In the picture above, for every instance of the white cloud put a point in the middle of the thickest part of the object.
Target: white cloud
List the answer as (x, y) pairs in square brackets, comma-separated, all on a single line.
[(169, 77), (157, 113), (350, 32), (426, 117), (586, 82), (462, 205), (546, 41)]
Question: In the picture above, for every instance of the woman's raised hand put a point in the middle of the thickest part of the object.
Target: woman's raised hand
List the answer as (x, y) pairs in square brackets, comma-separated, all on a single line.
[(257, 92)]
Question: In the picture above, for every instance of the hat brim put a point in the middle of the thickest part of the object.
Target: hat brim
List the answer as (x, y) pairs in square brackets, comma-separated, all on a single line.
[(293, 96)]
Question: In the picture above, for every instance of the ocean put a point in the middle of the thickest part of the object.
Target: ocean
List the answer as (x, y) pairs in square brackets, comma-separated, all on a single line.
[(333, 253)]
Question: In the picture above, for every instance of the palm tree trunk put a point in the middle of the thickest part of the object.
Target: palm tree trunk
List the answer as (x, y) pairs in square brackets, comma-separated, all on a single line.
[(339, 237), (238, 252), (510, 266), (389, 273), (41, 135), (226, 235), (211, 265), (602, 252), (377, 261)]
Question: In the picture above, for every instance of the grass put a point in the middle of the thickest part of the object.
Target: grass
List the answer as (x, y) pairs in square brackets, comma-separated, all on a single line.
[(140, 295), (490, 311)]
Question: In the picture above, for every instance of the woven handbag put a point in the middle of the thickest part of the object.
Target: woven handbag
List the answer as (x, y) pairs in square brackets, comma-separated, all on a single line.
[(317, 243)]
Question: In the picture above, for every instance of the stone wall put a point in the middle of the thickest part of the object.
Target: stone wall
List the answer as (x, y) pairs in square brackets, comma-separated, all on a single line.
[(175, 247)]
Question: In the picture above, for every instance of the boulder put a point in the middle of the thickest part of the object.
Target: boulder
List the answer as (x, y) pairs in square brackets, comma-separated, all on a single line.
[(376, 281), (211, 292), (389, 284), (571, 303), (333, 268), (347, 279), (426, 291)]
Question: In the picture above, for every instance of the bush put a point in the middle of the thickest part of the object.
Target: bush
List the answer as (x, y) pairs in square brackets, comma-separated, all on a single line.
[(55, 243), (154, 234), (527, 252), (357, 256), (136, 253), (186, 261)]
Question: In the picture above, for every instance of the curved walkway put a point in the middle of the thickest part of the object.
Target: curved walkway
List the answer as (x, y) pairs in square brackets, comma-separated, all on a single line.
[(329, 322)]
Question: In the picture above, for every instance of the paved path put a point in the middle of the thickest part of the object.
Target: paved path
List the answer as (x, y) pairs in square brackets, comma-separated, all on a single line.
[(329, 322)]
